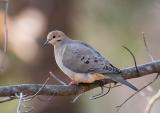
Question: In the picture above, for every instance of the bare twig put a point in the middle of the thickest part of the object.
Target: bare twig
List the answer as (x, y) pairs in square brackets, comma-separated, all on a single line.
[(102, 93), (147, 49), (120, 106), (33, 96), (76, 98), (99, 94), (134, 59), (6, 99), (152, 102), (21, 106), (60, 81), (157, 96), (20, 103)]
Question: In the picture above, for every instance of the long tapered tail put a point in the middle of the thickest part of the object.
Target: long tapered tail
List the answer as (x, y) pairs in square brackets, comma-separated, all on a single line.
[(118, 78)]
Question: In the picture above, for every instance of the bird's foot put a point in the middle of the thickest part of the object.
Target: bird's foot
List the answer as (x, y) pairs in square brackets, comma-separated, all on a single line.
[(73, 82)]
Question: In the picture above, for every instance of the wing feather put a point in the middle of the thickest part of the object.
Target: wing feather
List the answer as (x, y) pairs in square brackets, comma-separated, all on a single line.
[(82, 58)]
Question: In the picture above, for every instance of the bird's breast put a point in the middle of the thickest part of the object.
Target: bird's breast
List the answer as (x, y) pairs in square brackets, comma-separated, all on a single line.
[(79, 77), (58, 52)]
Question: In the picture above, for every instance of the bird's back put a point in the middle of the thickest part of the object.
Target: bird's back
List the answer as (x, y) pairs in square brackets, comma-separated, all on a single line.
[(82, 58)]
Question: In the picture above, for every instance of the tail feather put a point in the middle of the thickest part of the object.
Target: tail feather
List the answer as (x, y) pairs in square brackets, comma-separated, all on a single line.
[(120, 79)]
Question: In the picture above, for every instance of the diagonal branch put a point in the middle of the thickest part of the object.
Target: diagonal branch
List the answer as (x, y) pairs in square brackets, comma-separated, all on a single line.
[(62, 90)]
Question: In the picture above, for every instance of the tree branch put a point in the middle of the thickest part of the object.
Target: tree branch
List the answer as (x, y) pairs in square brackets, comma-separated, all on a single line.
[(62, 90)]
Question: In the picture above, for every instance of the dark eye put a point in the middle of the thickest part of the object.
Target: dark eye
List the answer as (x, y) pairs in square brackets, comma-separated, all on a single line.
[(54, 36)]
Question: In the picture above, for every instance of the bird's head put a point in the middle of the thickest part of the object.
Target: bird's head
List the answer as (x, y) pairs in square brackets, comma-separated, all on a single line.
[(55, 37)]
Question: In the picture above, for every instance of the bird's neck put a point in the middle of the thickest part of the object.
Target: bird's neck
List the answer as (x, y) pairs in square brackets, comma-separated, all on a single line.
[(62, 44)]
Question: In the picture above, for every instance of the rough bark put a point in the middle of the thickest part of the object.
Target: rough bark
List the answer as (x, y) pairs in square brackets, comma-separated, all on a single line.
[(61, 90)]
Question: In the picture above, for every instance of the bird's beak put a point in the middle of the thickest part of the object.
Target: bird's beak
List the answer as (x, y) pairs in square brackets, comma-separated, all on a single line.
[(45, 43)]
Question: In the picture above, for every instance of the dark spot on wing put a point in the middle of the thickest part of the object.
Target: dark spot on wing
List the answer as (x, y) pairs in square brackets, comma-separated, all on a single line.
[(95, 60), (110, 68), (87, 62), (115, 69), (82, 58), (105, 67), (111, 65)]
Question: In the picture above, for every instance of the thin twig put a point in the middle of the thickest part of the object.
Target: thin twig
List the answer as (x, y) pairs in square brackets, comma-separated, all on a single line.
[(98, 95), (6, 99), (134, 59), (21, 106), (33, 96), (152, 102), (76, 98), (157, 96), (60, 81), (19, 103), (56, 78), (102, 90), (101, 94), (120, 106), (147, 49)]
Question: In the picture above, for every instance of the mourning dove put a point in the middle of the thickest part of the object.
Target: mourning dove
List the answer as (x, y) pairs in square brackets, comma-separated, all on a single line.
[(81, 62)]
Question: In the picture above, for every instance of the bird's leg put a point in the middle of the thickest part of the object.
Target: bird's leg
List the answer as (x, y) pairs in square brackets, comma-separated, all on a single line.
[(102, 90), (101, 95)]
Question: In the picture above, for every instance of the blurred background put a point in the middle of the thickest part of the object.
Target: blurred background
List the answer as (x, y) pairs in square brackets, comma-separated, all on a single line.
[(105, 24)]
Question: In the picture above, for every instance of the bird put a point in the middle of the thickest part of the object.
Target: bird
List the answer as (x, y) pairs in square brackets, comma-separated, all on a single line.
[(81, 62)]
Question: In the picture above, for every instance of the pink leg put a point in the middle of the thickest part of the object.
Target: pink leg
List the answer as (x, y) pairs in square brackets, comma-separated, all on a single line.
[(73, 83)]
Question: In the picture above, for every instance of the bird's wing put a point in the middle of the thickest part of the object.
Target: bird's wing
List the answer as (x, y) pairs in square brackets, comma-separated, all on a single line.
[(82, 58)]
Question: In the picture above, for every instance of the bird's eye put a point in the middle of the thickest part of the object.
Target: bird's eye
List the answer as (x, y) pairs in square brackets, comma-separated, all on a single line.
[(54, 36)]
